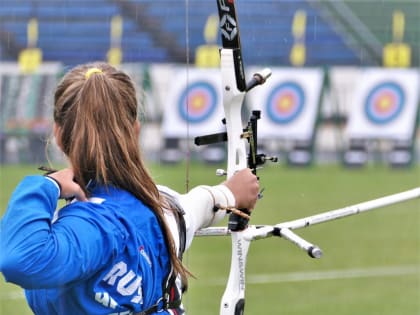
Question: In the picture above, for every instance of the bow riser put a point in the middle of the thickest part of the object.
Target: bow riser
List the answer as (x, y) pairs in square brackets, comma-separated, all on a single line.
[(234, 87), (233, 300), (232, 102)]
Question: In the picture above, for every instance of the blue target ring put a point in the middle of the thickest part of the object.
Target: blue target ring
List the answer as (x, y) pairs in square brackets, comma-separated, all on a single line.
[(384, 103), (285, 102), (197, 102)]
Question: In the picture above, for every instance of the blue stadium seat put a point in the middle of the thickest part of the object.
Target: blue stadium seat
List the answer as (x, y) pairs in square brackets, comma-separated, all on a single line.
[(79, 30)]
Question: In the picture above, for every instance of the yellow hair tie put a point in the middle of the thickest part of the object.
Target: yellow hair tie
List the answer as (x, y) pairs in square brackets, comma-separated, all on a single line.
[(91, 71)]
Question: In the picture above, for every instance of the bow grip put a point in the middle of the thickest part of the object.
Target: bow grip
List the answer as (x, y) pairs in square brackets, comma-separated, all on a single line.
[(238, 223)]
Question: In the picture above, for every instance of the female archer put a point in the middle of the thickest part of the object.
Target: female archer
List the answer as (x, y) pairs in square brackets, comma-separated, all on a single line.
[(116, 247)]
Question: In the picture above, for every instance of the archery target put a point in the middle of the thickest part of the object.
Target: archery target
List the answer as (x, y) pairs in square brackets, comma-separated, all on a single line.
[(193, 105), (198, 102), (384, 103), (289, 103), (285, 102)]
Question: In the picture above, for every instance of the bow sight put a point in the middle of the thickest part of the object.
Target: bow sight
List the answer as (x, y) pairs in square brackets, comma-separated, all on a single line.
[(250, 133)]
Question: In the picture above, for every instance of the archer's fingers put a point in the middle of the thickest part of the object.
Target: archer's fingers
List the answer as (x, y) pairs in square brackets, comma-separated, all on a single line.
[(69, 188), (245, 187)]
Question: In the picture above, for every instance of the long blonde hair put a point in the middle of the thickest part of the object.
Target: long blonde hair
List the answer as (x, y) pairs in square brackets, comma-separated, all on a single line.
[(96, 112)]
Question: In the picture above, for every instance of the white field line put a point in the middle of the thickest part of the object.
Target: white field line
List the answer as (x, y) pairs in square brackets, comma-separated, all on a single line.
[(391, 271)]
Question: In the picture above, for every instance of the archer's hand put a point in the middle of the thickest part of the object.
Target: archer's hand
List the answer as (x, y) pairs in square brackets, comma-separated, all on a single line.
[(245, 187), (69, 188)]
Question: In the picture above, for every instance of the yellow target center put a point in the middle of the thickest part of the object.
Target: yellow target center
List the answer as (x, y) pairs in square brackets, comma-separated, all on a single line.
[(384, 103), (197, 102), (284, 104)]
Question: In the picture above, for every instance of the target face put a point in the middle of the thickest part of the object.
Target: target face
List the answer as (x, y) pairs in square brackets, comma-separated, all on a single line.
[(285, 103), (384, 103), (197, 102)]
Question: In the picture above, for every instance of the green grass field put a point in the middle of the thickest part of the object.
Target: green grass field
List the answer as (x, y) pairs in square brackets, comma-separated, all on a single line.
[(371, 262)]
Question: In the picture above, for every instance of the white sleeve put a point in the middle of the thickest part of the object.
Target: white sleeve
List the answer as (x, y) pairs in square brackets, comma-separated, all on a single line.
[(199, 206)]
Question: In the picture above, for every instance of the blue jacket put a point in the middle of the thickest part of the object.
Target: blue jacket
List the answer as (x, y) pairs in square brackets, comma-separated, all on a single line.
[(106, 256)]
